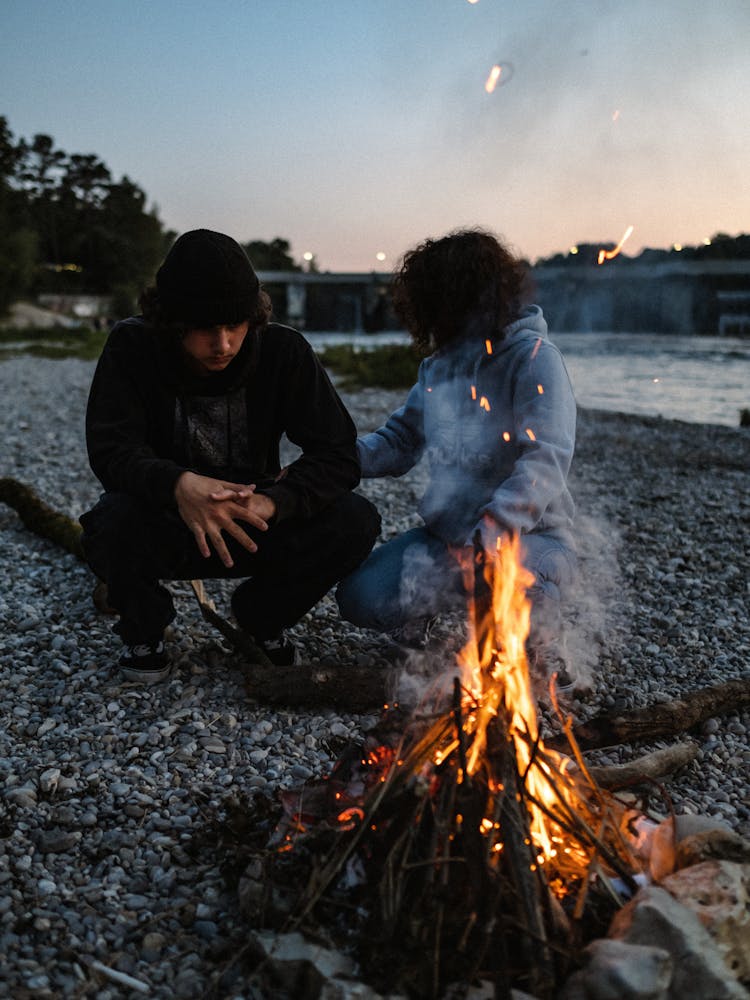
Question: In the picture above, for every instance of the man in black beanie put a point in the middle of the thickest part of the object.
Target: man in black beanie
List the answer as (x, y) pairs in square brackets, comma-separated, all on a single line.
[(186, 411)]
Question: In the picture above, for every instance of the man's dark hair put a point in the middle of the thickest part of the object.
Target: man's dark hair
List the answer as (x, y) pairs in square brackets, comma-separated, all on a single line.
[(466, 282), (159, 319)]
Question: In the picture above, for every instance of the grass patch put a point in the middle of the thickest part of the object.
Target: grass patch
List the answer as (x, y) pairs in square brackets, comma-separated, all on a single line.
[(54, 342), (390, 366)]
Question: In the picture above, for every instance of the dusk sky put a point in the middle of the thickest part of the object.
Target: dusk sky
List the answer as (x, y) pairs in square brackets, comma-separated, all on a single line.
[(352, 127)]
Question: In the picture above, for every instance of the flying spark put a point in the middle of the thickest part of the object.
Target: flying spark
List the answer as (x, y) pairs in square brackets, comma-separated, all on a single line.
[(610, 254), (492, 79)]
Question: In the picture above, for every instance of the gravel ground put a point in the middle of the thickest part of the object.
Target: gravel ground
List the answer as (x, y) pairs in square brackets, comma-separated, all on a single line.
[(104, 784)]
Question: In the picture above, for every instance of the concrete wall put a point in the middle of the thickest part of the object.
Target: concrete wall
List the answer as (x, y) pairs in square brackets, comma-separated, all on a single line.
[(618, 297)]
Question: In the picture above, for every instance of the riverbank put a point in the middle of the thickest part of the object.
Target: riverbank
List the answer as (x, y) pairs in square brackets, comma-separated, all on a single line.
[(108, 787)]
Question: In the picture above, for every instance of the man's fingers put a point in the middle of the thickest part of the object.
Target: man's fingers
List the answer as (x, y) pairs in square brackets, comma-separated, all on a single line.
[(229, 491), (240, 513), (242, 537), (200, 541), (221, 550)]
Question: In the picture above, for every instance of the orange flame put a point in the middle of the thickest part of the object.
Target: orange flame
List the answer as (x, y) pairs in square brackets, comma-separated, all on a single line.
[(611, 254), (496, 678)]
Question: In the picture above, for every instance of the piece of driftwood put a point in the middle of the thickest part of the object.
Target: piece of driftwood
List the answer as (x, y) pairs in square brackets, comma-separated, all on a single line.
[(343, 686), (241, 641), (40, 518), (662, 719), (649, 767)]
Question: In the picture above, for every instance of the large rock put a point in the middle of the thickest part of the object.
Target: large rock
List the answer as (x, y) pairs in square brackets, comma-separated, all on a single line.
[(308, 971), (615, 970), (687, 840), (717, 893), (653, 917)]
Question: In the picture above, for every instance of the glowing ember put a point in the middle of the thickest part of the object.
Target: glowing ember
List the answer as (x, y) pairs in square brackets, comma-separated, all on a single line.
[(530, 434), (540, 390), (348, 817), (492, 79), (488, 346), (611, 254), (485, 403), (473, 392), (499, 75), (506, 436)]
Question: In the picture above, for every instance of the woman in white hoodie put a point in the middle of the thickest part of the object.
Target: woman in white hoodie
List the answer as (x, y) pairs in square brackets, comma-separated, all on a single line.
[(493, 415)]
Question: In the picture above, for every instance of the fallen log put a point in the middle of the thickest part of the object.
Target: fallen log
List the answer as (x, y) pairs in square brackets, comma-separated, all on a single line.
[(662, 719), (354, 689), (344, 686), (649, 767), (39, 517)]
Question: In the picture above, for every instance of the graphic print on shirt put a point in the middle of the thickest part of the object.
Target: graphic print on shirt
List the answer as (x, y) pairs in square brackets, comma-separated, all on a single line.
[(211, 433)]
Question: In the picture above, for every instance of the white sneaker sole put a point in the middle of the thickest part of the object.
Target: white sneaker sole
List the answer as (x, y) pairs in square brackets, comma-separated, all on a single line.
[(146, 676)]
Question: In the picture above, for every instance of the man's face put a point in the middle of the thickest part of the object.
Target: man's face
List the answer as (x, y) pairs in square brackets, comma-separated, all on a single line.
[(211, 348)]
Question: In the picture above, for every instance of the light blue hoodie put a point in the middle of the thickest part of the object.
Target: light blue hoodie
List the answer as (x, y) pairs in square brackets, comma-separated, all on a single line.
[(497, 430)]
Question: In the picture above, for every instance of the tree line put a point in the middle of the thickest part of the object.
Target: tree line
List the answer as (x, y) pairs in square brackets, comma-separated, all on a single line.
[(721, 246), (68, 226)]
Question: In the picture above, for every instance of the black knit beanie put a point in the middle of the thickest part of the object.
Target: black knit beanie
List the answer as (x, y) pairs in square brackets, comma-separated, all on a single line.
[(207, 280)]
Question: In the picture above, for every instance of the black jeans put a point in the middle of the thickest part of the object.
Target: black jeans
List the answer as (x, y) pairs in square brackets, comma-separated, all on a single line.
[(132, 547)]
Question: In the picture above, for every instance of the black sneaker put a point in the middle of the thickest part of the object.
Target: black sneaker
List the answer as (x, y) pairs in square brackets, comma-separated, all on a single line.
[(145, 663), (279, 650)]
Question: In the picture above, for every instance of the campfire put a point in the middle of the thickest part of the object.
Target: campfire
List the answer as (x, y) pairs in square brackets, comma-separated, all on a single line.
[(454, 845)]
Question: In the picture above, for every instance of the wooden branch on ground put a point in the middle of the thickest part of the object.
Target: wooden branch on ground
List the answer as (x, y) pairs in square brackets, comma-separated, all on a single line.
[(240, 640), (40, 518), (661, 719), (650, 766), (343, 686)]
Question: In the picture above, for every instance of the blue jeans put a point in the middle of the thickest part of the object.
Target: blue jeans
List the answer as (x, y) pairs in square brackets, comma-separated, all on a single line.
[(415, 576)]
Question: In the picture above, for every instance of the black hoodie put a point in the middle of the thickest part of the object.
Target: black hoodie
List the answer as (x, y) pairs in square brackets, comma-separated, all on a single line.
[(149, 419)]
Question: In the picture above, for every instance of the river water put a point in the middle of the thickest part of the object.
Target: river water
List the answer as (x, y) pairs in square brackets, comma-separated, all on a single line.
[(698, 379)]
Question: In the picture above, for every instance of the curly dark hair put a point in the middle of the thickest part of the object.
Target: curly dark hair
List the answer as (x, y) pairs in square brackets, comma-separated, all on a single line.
[(465, 283), (157, 319)]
